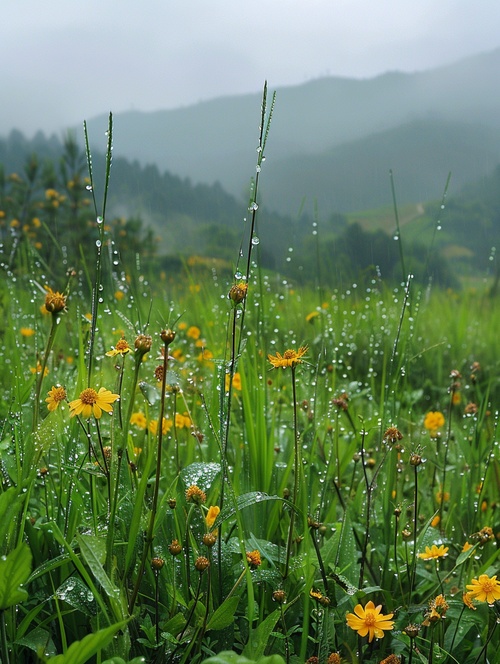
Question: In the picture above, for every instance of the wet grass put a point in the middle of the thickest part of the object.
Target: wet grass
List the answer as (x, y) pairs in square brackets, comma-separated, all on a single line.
[(236, 502)]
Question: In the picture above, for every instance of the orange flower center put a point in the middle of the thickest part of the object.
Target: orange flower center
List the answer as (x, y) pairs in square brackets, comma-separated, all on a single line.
[(122, 345), (88, 397), (370, 619), (488, 586), (58, 394), (289, 354)]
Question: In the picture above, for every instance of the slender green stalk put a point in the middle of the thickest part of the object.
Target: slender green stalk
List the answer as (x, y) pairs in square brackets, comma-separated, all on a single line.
[(3, 639), (167, 336), (40, 377), (296, 470)]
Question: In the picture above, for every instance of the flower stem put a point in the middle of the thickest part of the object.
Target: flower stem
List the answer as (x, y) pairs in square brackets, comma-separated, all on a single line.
[(296, 468), (154, 506)]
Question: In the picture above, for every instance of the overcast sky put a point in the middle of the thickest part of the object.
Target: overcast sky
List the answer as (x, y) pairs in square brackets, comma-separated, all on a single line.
[(63, 61)]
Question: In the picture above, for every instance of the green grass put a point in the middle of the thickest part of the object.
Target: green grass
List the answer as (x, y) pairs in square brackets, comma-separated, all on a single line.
[(107, 554)]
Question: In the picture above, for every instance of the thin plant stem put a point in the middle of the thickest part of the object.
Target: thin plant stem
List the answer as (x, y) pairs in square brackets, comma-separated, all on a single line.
[(296, 468), (167, 336), (41, 375), (3, 639)]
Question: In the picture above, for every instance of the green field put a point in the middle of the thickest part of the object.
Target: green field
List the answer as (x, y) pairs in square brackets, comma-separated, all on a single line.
[(324, 482)]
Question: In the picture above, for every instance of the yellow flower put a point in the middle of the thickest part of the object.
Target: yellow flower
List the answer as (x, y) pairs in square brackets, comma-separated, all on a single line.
[(468, 601), (139, 419), (290, 358), (55, 302), (435, 521), (119, 295), (211, 516), (54, 397), (310, 317), (369, 620), (165, 428), (253, 558), (38, 369), (93, 403), (442, 496), (182, 421), (434, 552), (236, 382), (466, 547), (193, 332), (437, 610), (484, 589), (205, 355), (433, 421), (121, 348), (27, 331)]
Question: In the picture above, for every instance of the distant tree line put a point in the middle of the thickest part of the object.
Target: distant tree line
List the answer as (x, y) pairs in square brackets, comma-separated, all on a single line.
[(46, 208)]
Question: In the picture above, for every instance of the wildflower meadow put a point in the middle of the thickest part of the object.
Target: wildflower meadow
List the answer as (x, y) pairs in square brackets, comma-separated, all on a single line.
[(220, 467)]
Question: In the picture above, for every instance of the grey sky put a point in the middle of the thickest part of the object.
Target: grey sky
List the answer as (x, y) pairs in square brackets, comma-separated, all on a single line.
[(62, 61)]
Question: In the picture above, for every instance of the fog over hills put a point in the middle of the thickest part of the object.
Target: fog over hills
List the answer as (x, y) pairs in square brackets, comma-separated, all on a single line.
[(332, 139)]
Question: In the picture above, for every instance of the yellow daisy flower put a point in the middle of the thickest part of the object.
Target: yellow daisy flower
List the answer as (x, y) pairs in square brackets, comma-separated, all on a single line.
[(93, 403), (54, 397), (433, 421), (121, 348), (290, 358), (434, 552), (369, 620), (484, 589), (27, 331)]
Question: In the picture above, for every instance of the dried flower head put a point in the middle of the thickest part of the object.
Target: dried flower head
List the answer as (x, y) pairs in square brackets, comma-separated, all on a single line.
[(279, 596), (391, 659), (341, 402), (334, 658), (437, 610), (201, 564), (167, 336), (393, 435), (157, 563), (484, 535), (471, 408), (175, 548), (412, 630), (253, 558), (142, 344), (195, 495), (238, 292), (209, 539)]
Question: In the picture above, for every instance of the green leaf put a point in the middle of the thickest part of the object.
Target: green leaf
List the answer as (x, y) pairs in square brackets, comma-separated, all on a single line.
[(230, 657), (80, 652), (92, 549), (245, 500), (10, 504), (119, 660), (259, 637), (14, 571), (224, 615)]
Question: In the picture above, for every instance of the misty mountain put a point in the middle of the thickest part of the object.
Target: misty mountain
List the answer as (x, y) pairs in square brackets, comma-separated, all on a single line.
[(422, 125)]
